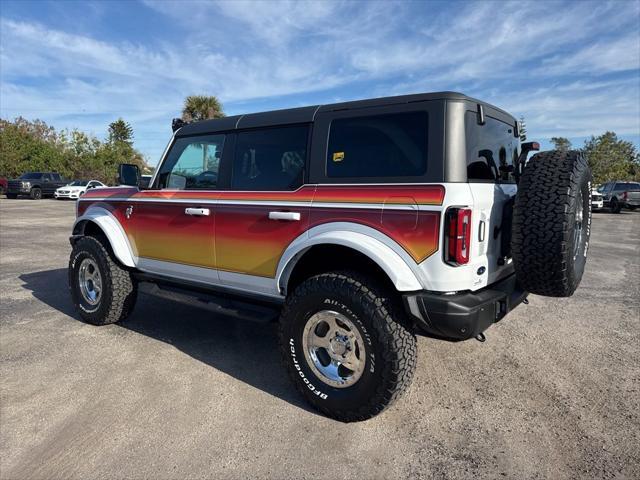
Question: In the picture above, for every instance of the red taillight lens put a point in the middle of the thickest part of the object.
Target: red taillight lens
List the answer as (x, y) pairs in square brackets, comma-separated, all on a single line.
[(458, 235), (624, 196)]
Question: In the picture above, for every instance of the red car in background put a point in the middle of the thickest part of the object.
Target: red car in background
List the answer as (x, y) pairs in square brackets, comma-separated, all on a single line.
[(3, 185)]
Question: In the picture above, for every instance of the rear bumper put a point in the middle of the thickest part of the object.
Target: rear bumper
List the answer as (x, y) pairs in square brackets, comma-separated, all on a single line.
[(464, 315)]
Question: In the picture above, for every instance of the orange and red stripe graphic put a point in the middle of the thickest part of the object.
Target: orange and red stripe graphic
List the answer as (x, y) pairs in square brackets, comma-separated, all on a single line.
[(238, 235)]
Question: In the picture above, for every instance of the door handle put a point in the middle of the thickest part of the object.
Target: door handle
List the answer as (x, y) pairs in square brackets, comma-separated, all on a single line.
[(197, 212), (290, 216)]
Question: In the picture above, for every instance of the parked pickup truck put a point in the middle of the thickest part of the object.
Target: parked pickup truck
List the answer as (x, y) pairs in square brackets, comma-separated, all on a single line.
[(618, 195), (35, 185)]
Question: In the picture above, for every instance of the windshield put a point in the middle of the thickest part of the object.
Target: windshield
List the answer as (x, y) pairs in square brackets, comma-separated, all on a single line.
[(78, 183), (30, 176)]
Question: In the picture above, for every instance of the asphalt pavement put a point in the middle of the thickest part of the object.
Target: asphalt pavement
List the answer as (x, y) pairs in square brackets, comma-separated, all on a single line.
[(175, 392)]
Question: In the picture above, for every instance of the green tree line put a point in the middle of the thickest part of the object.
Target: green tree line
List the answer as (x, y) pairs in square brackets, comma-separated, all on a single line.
[(609, 157), (35, 146)]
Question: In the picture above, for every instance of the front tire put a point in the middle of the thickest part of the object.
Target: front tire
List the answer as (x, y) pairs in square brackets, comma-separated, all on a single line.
[(103, 292), (36, 193), (345, 345), (616, 207)]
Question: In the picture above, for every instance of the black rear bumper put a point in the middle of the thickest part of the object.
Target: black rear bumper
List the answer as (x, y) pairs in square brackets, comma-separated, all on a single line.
[(464, 315)]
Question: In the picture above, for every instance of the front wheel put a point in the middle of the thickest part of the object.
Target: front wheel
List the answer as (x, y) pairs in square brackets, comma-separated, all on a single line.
[(36, 193), (616, 207), (102, 291), (346, 346)]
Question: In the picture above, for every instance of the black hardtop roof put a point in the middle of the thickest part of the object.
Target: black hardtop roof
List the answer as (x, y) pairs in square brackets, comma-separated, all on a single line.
[(307, 114)]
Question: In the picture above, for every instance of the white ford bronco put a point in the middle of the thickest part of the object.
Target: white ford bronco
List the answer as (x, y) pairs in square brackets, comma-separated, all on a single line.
[(355, 225)]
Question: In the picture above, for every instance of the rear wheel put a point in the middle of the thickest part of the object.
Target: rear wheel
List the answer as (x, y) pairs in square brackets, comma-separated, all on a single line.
[(36, 193), (552, 223), (102, 290), (346, 346)]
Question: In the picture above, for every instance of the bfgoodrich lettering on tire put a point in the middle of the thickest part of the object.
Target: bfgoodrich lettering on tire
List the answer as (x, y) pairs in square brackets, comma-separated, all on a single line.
[(552, 223), (345, 345), (102, 291)]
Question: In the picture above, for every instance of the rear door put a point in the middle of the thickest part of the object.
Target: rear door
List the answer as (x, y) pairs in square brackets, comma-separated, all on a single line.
[(491, 150), (173, 224), (266, 207)]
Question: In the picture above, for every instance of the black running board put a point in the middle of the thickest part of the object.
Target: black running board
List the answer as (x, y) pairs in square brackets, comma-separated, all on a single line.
[(216, 303)]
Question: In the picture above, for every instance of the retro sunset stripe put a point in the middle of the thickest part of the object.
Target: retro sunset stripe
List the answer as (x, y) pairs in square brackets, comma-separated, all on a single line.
[(239, 236), (362, 194)]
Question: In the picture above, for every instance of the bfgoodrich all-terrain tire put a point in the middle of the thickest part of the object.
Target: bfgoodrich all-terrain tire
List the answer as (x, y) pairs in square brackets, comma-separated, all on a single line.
[(345, 345), (552, 223), (102, 291)]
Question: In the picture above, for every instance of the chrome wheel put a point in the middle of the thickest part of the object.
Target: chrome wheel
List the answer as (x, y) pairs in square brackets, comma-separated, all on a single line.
[(578, 221), (90, 281), (334, 348)]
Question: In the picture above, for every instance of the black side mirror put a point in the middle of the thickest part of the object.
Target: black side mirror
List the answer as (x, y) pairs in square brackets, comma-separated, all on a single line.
[(128, 174)]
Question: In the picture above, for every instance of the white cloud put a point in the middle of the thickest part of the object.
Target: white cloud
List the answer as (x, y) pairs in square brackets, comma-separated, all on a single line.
[(244, 51)]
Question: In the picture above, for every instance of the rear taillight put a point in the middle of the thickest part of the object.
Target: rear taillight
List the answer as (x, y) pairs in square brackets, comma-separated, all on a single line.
[(458, 236), (624, 196)]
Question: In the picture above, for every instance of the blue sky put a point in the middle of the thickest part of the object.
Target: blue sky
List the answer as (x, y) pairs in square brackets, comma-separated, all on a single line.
[(571, 68)]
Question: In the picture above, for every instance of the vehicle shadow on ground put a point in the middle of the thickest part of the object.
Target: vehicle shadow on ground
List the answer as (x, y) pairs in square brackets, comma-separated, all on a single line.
[(247, 351)]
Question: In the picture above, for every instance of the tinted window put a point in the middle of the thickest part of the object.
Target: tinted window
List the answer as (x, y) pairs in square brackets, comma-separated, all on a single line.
[(192, 163), (78, 183), (491, 149), (627, 187), (393, 145), (31, 176), (55, 177), (270, 159)]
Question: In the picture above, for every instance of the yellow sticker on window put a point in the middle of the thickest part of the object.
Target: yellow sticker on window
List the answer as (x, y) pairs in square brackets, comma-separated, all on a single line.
[(338, 156)]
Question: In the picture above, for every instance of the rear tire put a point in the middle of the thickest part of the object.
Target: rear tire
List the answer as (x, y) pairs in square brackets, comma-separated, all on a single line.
[(102, 291), (35, 194), (353, 316), (552, 223)]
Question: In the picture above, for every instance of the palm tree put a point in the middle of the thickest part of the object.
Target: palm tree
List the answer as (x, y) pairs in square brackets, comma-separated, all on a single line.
[(202, 107)]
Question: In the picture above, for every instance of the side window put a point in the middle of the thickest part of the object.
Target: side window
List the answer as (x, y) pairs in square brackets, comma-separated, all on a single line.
[(55, 177), (391, 145), (46, 177), (491, 149), (192, 163), (93, 184), (270, 159)]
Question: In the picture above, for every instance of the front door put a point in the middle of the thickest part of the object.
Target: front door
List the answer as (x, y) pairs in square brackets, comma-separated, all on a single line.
[(173, 224)]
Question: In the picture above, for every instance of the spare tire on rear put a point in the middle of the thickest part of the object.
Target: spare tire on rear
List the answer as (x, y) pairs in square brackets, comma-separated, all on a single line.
[(552, 223)]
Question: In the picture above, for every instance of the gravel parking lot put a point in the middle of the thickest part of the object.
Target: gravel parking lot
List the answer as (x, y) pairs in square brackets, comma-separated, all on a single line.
[(175, 392)]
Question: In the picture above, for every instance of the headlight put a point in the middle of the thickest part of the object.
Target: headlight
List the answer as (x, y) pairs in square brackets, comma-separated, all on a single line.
[(26, 184)]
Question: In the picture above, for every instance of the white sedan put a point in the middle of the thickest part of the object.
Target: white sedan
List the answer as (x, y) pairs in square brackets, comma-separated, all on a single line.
[(77, 189)]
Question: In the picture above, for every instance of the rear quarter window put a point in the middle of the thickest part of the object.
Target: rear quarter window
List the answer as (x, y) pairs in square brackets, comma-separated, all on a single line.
[(492, 149), (389, 145)]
